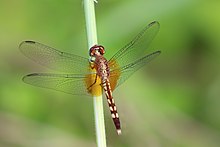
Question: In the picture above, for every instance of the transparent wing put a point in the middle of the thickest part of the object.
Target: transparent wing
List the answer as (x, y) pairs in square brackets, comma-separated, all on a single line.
[(68, 83), (54, 59), (135, 49), (120, 75)]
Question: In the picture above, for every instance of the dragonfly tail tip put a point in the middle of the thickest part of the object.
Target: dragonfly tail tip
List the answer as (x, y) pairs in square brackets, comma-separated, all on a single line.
[(119, 131)]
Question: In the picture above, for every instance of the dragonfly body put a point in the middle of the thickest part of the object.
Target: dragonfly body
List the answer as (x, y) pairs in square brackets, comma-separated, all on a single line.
[(80, 77), (103, 71)]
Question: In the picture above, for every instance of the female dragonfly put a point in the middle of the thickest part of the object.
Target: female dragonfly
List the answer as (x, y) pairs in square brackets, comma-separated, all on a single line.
[(82, 76)]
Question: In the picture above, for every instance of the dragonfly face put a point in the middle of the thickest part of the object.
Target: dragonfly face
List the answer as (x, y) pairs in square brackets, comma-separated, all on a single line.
[(96, 50), (80, 77)]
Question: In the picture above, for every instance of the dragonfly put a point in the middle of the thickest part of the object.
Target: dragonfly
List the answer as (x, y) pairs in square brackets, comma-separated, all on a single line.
[(82, 76)]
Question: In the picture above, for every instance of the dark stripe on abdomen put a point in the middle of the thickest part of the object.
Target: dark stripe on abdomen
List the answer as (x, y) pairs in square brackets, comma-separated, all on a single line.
[(112, 106)]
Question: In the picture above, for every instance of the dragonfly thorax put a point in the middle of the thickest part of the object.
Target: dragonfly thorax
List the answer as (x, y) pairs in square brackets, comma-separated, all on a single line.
[(102, 68)]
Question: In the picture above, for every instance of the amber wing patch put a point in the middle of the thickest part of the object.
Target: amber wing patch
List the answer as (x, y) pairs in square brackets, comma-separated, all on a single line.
[(93, 83), (114, 74)]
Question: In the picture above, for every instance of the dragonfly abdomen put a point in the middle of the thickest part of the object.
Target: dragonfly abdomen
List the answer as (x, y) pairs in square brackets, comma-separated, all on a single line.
[(112, 106), (104, 72)]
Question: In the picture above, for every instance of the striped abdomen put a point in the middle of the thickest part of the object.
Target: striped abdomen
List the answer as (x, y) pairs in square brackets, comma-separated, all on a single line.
[(103, 72), (112, 106)]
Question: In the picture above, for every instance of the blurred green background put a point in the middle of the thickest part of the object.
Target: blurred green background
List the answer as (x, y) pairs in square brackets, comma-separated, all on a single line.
[(172, 102)]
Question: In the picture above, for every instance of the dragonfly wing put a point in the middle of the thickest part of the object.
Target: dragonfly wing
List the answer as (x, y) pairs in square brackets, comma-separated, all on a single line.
[(54, 59), (136, 48), (120, 75), (68, 83)]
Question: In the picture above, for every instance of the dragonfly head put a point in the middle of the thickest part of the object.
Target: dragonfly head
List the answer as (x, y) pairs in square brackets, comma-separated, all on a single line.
[(96, 50)]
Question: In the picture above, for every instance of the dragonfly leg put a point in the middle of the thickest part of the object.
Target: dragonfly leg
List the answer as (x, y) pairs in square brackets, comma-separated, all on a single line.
[(89, 88)]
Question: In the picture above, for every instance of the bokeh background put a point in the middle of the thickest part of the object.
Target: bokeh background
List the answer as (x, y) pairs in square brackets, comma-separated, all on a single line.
[(172, 102)]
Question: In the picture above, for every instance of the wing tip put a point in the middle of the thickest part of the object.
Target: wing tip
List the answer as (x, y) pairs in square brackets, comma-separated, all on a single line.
[(26, 42), (158, 52), (32, 74), (155, 53), (153, 23), (29, 75), (29, 41)]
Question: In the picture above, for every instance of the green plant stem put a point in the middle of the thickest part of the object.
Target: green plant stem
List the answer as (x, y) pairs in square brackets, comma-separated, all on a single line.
[(98, 101)]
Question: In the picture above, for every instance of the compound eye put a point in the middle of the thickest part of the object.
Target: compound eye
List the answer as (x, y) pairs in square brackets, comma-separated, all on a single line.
[(92, 52), (96, 48), (101, 50)]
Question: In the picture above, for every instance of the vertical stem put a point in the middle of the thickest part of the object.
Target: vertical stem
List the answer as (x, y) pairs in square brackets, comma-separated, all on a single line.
[(98, 101)]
